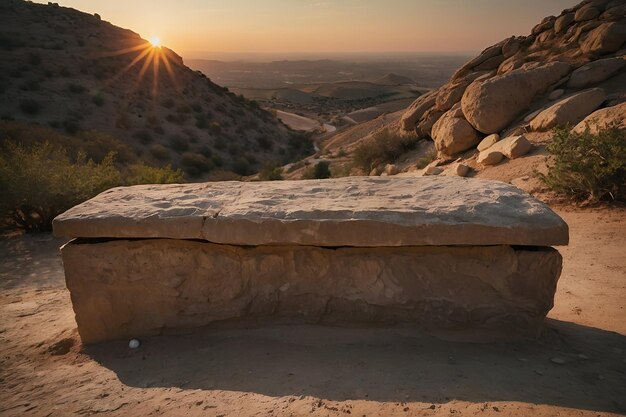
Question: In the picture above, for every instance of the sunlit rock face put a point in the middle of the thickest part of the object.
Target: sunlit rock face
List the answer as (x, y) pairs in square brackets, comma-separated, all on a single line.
[(445, 254)]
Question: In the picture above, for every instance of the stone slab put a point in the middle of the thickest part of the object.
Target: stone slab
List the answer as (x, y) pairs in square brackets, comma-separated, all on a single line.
[(353, 211), (132, 288)]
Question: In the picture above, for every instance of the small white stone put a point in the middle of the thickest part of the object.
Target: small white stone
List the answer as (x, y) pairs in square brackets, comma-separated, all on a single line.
[(134, 343)]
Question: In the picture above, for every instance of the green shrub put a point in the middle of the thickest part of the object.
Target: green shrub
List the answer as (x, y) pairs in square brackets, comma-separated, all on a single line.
[(179, 144), (241, 166), (195, 164), (271, 172), (144, 174), (37, 183), (385, 147), (159, 152), (429, 157), (586, 166), (319, 171)]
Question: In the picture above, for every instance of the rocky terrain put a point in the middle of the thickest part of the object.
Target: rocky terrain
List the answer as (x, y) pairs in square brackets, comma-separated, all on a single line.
[(73, 72), (501, 105)]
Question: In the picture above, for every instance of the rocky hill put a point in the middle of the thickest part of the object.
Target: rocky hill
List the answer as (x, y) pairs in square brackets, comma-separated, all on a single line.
[(569, 67), (74, 72)]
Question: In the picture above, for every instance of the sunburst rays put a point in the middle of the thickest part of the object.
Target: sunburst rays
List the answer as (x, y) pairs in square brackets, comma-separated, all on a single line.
[(148, 54)]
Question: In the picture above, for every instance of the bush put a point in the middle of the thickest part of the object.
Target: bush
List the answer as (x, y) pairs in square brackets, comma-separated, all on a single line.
[(271, 172), (586, 166), (319, 171), (385, 147), (30, 106), (179, 144), (241, 166), (160, 152), (144, 174), (37, 183), (98, 100), (195, 164)]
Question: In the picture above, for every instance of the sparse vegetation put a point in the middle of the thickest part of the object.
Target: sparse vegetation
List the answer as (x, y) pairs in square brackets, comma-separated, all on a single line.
[(586, 166), (319, 171), (429, 157), (41, 180), (195, 164), (385, 147), (271, 172)]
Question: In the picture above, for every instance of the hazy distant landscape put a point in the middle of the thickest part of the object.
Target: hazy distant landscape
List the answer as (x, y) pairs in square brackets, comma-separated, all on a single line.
[(344, 90)]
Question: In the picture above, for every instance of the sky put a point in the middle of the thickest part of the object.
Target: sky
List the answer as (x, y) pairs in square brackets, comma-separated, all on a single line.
[(202, 28)]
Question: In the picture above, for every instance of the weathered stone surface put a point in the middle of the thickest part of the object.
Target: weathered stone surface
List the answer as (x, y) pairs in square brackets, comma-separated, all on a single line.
[(569, 110), (556, 94), (352, 211), (603, 118), (132, 288), (596, 71), (605, 39), (453, 134), (491, 52), (513, 146), (458, 169), (450, 94), (586, 12), (416, 110), (562, 22), (425, 126), (489, 157), (488, 141), (492, 104)]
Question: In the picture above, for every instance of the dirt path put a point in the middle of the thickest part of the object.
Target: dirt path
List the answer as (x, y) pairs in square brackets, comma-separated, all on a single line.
[(577, 368)]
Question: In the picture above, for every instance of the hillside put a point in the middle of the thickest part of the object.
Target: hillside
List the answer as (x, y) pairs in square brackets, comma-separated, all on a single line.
[(570, 69), (73, 72)]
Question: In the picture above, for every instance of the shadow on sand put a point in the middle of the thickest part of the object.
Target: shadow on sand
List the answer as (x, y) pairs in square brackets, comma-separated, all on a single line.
[(570, 365)]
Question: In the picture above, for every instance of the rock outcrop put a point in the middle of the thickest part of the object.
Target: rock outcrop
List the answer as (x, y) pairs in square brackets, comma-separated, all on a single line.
[(453, 134), (491, 105), (570, 110), (510, 83), (443, 253), (614, 116)]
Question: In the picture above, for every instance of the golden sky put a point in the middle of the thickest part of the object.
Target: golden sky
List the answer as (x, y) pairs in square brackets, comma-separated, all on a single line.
[(198, 28)]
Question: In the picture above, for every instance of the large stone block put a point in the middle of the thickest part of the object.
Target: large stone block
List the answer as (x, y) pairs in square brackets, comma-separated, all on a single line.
[(353, 211), (131, 288)]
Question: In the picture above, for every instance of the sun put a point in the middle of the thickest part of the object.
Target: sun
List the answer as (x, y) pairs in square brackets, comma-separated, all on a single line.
[(155, 41)]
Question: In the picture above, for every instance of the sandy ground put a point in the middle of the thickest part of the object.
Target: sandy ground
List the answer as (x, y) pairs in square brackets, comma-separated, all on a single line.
[(578, 367)]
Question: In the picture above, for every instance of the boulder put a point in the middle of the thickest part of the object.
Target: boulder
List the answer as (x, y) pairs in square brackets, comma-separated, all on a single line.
[(603, 118), (491, 105), (432, 170), (562, 22), (556, 94), (417, 109), (453, 134), (489, 157), (488, 53), (596, 72), (546, 24), (513, 146), (450, 94), (510, 47), (457, 169), (391, 169), (350, 211), (425, 125), (605, 39), (586, 12), (488, 141), (569, 110)]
